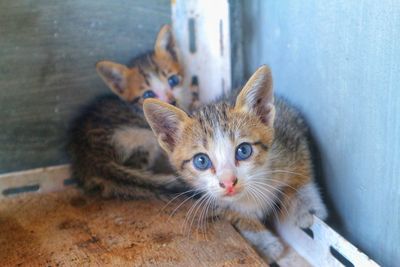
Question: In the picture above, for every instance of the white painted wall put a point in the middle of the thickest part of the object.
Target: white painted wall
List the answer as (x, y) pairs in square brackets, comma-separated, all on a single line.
[(339, 62)]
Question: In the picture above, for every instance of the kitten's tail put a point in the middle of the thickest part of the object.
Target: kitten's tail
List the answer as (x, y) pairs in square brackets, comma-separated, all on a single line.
[(113, 179)]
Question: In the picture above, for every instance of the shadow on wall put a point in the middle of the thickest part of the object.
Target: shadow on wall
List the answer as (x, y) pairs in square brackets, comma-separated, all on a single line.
[(334, 220)]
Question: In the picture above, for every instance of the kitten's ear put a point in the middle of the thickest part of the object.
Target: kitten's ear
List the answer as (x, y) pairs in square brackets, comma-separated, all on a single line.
[(166, 121), (165, 43), (114, 75), (257, 96)]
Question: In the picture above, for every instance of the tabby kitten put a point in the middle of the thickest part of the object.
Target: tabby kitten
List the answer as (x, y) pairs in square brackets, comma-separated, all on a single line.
[(111, 145), (251, 160)]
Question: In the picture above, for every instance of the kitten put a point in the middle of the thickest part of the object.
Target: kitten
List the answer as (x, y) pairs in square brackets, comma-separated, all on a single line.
[(111, 145), (155, 74), (250, 159)]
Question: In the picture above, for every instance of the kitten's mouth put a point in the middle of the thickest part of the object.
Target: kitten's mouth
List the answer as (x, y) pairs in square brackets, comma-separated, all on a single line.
[(232, 193)]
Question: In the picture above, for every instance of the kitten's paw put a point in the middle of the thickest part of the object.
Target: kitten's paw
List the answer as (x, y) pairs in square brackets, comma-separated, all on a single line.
[(320, 212), (272, 251), (269, 246), (306, 203), (304, 219)]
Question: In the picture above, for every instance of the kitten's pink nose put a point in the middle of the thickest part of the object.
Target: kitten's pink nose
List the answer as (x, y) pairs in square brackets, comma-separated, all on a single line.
[(229, 184)]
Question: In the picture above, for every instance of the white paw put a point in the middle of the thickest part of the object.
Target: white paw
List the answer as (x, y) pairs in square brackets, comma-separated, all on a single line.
[(307, 203), (272, 251), (267, 244), (320, 212), (304, 219)]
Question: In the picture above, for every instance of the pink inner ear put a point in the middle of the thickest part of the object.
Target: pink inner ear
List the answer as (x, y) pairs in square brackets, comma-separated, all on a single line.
[(264, 113), (168, 139), (167, 133), (117, 86)]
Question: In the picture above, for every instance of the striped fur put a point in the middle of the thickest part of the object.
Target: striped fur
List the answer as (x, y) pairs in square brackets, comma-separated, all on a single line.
[(112, 148), (271, 185)]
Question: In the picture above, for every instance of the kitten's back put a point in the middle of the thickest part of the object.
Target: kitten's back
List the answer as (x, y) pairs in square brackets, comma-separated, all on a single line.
[(112, 150), (90, 134)]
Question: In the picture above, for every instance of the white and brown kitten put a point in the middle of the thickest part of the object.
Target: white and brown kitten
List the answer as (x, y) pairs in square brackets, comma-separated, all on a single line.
[(250, 159), (111, 145)]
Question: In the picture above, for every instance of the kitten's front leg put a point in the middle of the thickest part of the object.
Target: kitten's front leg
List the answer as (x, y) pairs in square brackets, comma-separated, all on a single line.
[(305, 203), (267, 244)]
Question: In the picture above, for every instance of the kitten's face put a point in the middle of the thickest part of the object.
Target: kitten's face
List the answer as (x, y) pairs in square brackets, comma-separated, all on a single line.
[(154, 75), (221, 150)]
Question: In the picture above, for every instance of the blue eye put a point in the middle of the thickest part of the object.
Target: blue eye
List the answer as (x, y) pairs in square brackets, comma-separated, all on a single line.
[(173, 80), (243, 151), (149, 94), (201, 162)]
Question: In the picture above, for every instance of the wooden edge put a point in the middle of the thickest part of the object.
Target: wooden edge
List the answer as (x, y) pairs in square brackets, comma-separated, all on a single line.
[(41, 180), (323, 246)]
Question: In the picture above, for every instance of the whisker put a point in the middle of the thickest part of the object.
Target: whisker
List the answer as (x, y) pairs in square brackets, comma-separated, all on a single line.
[(288, 172), (175, 197), (204, 215), (257, 178), (267, 199), (183, 202), (280, 191), (190, 211), (196, 211), (281, 202), (275, 198)]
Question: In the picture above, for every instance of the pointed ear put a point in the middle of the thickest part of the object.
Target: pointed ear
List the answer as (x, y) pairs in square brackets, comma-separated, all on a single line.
[(166, 121), (165, 43), (114, 75), (257, 96)]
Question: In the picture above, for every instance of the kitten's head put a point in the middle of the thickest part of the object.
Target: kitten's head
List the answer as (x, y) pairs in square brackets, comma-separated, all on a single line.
[(157, 74), (222, 149)]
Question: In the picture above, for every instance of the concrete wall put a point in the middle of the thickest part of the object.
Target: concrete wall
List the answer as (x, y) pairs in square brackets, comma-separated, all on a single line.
[(339, 62)]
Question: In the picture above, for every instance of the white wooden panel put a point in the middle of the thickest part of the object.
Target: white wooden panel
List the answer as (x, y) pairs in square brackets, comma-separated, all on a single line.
[(211, 60), (317, 249), (46, 180)]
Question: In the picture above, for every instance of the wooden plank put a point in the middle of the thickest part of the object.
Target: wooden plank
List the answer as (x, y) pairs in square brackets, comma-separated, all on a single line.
[(69, 229), (40, 180), (48, 50)]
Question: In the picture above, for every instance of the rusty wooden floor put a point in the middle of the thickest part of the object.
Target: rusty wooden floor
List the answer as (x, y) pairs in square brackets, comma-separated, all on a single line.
[(69, 229)]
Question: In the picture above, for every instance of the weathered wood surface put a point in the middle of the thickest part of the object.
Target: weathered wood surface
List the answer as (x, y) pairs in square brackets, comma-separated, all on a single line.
[(48, 50), (69, 229)]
